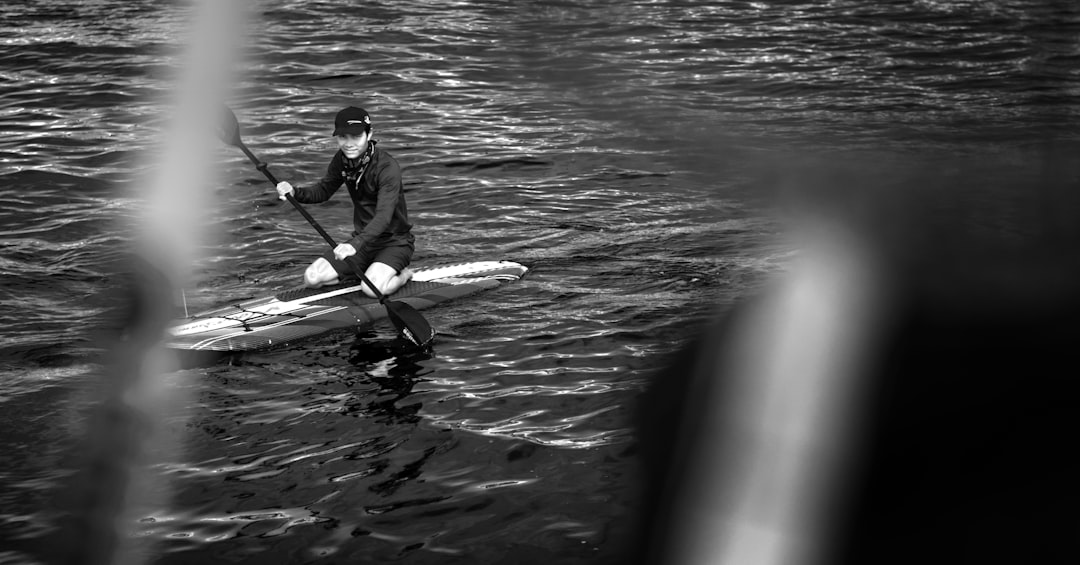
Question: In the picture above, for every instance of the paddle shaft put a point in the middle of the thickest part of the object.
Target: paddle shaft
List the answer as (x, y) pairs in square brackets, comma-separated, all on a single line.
[(311, 220)]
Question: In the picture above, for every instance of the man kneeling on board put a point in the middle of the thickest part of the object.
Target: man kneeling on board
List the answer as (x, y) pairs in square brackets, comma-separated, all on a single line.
[(382, 243)]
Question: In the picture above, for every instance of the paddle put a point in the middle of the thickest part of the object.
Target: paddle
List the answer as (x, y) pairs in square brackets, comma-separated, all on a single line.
[(410, 324)]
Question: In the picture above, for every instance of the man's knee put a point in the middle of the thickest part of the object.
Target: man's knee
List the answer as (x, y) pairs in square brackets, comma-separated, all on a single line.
[(320, 272), (381, 275)]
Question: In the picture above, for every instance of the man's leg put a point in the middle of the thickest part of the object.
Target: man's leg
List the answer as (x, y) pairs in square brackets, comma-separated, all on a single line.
[(389, 268), (320, 273), (386, 278), (327, 270)]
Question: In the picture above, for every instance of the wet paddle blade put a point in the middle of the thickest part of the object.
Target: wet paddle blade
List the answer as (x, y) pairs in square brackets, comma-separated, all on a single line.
[(409, 323)]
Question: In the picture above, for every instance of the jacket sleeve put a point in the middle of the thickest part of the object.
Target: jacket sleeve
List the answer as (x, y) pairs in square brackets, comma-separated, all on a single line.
[(326, 187), (389, 191)]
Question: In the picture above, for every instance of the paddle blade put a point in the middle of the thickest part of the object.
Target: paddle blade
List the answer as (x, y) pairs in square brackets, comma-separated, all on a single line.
[(409, 323), (229, 128)]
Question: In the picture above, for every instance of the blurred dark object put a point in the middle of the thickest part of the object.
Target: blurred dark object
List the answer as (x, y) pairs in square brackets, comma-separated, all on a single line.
[(957, 444)]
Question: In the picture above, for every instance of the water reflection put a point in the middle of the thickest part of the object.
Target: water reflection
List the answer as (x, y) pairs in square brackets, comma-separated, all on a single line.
[(395, 367)]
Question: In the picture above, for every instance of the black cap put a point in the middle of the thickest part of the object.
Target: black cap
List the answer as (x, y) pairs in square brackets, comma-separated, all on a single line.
[(352, 120)]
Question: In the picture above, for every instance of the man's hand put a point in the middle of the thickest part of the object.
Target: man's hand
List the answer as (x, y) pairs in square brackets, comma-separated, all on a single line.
[(343, 250), (284, 188)]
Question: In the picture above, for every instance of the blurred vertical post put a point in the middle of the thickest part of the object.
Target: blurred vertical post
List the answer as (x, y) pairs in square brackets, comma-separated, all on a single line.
[(127, 428), (897, 395), (784, 421)]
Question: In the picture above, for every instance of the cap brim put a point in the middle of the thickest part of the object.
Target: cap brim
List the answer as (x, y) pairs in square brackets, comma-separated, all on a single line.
[(350, 129)]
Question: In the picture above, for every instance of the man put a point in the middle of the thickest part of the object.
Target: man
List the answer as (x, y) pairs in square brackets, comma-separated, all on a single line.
[(382, 242)]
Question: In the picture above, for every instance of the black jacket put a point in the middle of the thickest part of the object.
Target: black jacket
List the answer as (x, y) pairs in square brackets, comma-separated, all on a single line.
[(380, 214)]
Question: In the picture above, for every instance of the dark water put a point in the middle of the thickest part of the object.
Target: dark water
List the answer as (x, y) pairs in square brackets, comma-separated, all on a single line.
[(625, 152)]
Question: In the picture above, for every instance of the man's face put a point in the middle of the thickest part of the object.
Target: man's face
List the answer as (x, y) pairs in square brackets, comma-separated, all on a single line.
[(353, 146)]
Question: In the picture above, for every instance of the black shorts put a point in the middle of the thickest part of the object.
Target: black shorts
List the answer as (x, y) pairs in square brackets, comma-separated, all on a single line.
[(396, 256)]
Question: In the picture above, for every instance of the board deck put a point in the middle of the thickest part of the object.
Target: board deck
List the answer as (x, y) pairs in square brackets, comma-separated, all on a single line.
[(301, 312)]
